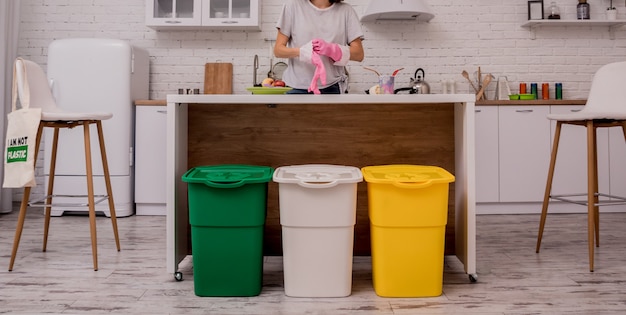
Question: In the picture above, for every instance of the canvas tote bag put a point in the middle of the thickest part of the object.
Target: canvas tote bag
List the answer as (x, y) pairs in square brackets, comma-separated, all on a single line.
[(19, 155)]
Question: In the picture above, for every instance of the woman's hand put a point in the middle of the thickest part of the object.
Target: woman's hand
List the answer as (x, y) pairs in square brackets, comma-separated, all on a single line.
[(331, 50)]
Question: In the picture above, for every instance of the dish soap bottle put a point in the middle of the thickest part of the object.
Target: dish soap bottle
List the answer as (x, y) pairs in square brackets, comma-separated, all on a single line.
[(582, 10), (554, 12)]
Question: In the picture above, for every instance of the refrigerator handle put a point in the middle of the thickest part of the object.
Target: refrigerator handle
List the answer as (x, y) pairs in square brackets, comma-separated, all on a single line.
[(132, 61), (131, 156), (51, 83)]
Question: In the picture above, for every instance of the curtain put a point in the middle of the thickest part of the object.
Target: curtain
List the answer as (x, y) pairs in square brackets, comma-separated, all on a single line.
[(9, 29)]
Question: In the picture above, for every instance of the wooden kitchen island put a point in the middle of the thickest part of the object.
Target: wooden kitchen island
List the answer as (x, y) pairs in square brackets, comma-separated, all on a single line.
[(353, 130)]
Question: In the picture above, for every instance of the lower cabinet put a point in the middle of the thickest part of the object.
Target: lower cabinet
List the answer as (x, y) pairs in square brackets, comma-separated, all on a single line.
[(513, 148), (617, 164), (487, 155), (150, 146), (524, 146), (570, 173)]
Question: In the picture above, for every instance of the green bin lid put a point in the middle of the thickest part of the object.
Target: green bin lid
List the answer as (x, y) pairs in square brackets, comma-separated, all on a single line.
[(406, 174), (229, 175)]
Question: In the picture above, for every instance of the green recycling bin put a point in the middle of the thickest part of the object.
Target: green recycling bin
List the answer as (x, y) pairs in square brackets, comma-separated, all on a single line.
[(227, 207)]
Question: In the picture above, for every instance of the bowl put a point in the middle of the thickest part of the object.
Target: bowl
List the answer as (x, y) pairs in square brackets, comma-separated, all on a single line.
[(527, 96), (268, 90), (514, 97)]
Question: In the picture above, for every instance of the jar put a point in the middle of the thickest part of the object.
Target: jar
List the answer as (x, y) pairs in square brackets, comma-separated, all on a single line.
[(582, 10), (555, 13), (558, 91), (545, 91)]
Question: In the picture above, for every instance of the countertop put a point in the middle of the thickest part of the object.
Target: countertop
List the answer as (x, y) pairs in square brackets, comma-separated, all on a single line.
[(531, 102), (360, 98), (320, 99)]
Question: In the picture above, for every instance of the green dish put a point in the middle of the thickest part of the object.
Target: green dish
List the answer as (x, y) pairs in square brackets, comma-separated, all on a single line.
[(514, 97), (268, 90), (527, 96)]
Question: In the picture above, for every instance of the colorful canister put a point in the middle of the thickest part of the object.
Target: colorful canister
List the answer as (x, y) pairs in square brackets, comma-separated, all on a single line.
[(545, 91), (533, 89), (558, 88)]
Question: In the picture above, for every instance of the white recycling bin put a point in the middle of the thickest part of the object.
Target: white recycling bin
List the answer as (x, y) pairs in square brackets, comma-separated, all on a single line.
[(317, 216)]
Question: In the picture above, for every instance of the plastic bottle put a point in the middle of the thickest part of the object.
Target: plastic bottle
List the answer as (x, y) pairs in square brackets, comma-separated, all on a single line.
[(582, 10)]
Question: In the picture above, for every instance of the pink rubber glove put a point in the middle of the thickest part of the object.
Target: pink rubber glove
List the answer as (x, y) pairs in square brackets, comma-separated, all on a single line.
[(320, 73), (331, 50)]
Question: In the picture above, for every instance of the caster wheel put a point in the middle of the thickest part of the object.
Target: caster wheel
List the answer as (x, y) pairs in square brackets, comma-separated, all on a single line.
[(473, 278), (178, 276)]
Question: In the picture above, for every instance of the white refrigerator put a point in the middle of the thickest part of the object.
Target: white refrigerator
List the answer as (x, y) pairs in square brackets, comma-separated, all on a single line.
[(105, 75)]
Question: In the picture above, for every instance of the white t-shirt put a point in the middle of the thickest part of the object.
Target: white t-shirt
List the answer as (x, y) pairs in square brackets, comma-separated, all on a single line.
[(301, 21)]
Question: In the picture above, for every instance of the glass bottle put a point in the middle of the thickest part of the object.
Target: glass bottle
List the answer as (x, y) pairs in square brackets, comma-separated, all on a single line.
[(582, 10), (555, 14)]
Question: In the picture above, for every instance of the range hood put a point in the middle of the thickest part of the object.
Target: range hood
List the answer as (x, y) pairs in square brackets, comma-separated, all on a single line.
[(413, 10)]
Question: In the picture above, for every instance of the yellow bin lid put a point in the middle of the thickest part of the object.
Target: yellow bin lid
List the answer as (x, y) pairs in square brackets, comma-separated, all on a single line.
[(406, 176)]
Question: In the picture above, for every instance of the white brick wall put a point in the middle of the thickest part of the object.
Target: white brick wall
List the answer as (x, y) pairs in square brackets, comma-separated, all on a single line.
[(463, 35)]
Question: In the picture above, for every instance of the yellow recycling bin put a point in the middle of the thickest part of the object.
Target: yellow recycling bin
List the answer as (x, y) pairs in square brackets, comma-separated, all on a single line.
[(408, 211)]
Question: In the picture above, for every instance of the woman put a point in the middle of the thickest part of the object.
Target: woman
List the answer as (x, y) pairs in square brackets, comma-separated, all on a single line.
[(318, 37)]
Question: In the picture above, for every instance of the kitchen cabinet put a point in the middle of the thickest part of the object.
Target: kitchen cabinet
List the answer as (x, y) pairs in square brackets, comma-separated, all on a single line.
[(173, 13), (150, 135), (231, 14), (524, 144), (570, 172), (617, 165), (487, 155), (203, 14), (513, 147)]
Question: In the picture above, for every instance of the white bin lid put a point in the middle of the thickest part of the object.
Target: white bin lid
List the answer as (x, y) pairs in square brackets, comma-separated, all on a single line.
[(317, 174)]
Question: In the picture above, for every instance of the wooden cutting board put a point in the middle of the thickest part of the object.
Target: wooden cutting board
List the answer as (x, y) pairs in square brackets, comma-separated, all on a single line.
[(218, 78)]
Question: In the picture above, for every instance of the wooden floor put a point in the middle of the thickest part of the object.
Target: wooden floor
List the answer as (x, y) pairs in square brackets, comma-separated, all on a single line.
[(512, 279)]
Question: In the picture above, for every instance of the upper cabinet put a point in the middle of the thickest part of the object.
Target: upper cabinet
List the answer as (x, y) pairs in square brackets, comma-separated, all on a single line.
[(203, 14), (173, 13), (243, 14)]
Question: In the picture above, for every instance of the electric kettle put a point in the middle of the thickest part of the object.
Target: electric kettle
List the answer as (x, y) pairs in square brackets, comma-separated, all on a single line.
[(418, 85)]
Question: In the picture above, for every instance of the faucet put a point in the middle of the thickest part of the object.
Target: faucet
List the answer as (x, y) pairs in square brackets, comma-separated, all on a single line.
[(256, 67)]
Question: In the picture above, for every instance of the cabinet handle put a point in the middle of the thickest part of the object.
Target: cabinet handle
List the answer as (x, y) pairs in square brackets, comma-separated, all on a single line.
[(230, 22), (162, 111), (575, 110), (524, 110), (477, 111), (172, 22)]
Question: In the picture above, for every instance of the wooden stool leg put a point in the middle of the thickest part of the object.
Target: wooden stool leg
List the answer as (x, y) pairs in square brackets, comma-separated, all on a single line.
[(90, 193), (546, 195), (107, 179), (596, 199), (20, 226), (23, 207), (590, 191), (48, 209)]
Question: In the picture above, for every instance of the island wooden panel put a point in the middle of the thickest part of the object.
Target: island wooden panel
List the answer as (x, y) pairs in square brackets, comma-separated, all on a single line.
[(343, 134)]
